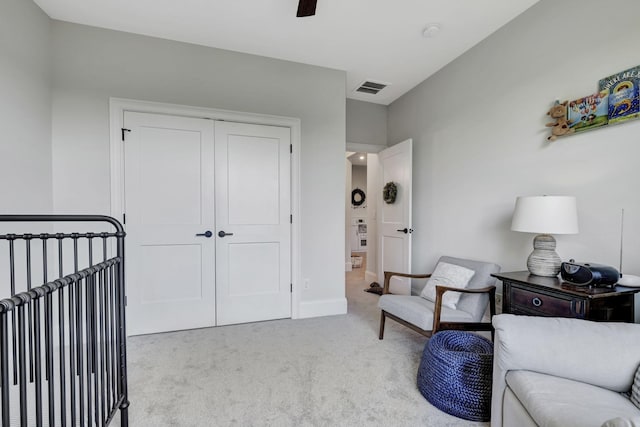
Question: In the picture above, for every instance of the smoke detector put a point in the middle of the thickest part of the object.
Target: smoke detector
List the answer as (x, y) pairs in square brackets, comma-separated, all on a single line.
[(431, 31)]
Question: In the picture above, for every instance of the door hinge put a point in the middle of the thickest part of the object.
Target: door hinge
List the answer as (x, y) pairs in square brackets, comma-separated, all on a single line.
[(291, 219), (123, 131), (291, 287), (125, 301), (124, 218), (291, 148)]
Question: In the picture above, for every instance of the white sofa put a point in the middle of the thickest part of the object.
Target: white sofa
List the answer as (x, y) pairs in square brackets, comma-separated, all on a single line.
[(557, 372)]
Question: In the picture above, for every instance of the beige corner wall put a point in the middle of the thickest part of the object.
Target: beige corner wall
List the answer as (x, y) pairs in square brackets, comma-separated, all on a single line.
[(25, 109), (366, 123), (480, 140)]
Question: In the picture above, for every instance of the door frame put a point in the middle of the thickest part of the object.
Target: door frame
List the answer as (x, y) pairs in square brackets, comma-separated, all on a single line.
[(354, 147), (117, 107)]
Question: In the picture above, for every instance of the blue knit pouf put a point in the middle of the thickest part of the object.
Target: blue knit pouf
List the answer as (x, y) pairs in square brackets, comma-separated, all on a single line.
[(455, 374)]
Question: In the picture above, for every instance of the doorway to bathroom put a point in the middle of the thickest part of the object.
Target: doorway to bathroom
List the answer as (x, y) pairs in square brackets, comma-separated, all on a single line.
[(361, 203)]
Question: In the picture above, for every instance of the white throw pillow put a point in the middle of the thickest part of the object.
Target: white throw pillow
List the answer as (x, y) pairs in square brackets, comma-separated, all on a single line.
[(450, 275)]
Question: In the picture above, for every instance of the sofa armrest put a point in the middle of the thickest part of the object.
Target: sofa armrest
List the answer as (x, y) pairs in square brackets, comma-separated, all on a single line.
[(598, 353)]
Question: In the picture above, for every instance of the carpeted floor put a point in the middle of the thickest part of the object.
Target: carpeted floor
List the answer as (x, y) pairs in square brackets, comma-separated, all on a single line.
[(330, 371)]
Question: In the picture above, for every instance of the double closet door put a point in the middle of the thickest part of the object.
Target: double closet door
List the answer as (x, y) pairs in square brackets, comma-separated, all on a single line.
[(207, 207)]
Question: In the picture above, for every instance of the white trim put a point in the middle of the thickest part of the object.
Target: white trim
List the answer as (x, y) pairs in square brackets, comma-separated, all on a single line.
[(117, 107), (328, 307), (370, 276), (348, 266)]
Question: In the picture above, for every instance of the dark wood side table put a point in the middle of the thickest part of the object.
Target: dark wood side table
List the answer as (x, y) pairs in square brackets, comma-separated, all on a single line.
[(524, 293)]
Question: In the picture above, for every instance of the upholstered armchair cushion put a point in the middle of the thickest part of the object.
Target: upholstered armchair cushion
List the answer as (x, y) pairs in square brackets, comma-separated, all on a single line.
[(419, 311), (475, 304)]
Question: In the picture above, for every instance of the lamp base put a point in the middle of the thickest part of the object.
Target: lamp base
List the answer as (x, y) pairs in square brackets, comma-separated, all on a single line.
[(544, 261)]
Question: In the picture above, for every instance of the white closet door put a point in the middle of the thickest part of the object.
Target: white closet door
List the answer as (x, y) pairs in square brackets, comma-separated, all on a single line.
[(253, 259), (169, 199)]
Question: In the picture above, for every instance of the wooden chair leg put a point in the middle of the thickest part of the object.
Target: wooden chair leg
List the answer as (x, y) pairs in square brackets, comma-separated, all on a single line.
[(382, 319)]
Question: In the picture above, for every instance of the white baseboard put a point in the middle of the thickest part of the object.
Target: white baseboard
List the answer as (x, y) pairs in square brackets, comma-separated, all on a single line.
[(348, 266), (328, 307), (370, 276)]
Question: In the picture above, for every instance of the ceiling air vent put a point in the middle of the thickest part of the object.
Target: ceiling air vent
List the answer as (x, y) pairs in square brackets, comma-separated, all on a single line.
[(371, 87)]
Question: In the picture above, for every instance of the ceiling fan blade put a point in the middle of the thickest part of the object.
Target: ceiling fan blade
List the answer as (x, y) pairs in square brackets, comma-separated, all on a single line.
[(306, 8)]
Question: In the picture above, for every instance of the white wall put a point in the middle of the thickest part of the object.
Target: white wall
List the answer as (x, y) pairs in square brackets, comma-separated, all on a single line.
[(366, 123), (480, 140), (25, 108), (90, 65)]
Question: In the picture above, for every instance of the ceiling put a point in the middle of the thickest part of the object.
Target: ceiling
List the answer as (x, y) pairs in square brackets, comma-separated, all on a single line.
[(375, 40), (357, 159)]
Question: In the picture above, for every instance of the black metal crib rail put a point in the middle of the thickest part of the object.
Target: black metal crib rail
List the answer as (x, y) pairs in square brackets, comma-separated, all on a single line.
[(63, 343)]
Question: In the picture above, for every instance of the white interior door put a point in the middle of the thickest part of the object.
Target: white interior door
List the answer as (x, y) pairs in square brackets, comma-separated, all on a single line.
[(169, 199), (253, 229), (394, 250)]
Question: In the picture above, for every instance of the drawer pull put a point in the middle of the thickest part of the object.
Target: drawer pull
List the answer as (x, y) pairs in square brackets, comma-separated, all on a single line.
[(537, 302)]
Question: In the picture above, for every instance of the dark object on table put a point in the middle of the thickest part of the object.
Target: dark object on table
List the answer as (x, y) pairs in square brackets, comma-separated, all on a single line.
[(455, 374), (589, 274)]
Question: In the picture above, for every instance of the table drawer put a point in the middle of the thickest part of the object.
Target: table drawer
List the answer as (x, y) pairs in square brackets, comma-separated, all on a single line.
[(547, 305)]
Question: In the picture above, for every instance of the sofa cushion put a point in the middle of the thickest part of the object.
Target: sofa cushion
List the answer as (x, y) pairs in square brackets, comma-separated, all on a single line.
[(419, 311), (635, 389), (557, 402), (475, 304), (513, 413), (622, 422), (451, 275)]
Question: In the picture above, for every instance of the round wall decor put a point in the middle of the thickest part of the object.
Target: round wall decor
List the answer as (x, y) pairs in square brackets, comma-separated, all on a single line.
[(389, 192), (357, 197)]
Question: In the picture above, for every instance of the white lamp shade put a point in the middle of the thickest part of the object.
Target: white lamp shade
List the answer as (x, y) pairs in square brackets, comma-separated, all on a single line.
[(545, 215)]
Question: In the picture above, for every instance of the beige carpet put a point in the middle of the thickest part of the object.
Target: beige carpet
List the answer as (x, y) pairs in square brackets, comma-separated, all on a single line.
[(330, 371)]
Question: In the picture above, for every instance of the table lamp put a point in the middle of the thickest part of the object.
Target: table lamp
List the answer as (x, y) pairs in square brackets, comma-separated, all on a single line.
[(545, 215)]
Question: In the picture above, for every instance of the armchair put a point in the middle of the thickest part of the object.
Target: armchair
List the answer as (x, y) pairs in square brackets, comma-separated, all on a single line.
[(427, 317)]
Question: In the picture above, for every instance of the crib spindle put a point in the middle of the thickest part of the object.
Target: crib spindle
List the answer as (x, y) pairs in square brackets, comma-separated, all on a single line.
[(79, 349), (12, 280), (4, 367), (37, 357), (27, 242), (87, 348), (22, 363), (61, 347), (72, 351), (48, 300)]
